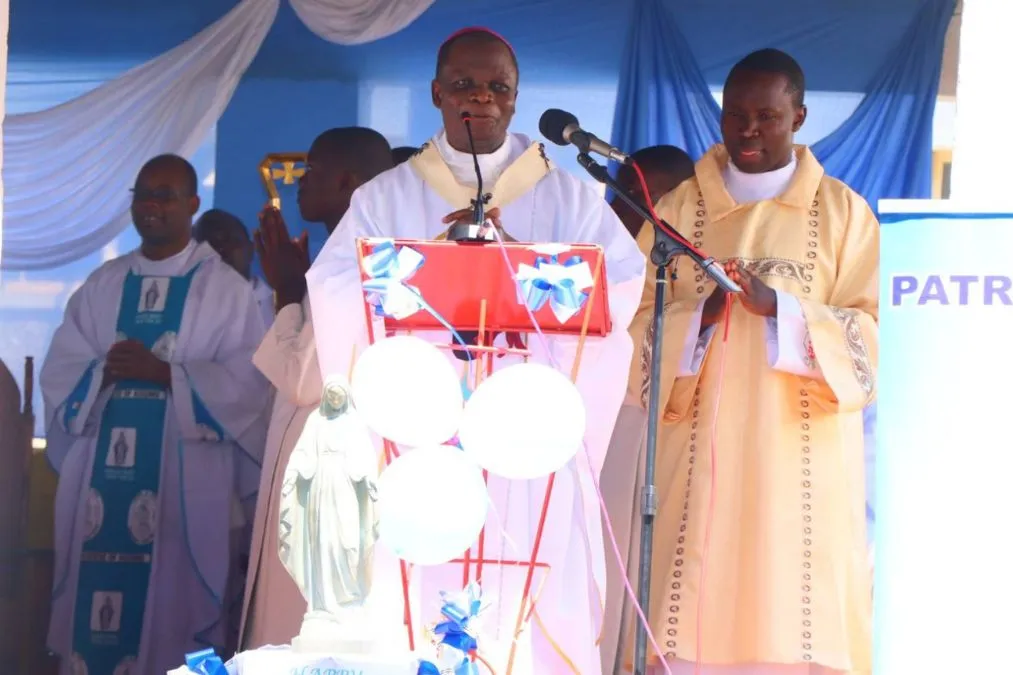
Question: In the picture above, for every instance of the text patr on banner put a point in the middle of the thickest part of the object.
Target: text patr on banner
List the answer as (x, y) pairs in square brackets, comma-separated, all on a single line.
[(944, 444), (951, 289)]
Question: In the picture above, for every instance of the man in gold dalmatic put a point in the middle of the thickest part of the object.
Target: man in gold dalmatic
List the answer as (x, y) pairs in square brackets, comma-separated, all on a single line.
[(774, 469)]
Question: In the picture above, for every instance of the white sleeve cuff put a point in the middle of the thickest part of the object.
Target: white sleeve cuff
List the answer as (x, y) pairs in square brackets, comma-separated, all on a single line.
[(696, 345), (789, 346)]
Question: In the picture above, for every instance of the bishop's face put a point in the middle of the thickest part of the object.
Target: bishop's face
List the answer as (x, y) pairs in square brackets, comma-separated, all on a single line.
[(478, 77), (759, 119)]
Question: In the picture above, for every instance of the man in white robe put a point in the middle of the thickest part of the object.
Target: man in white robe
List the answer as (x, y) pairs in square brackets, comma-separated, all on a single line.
[(531, 201), (155, 420), (227, 235), (338, 161)]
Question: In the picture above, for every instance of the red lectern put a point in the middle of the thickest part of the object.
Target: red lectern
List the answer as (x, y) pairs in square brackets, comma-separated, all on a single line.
[(427, 286)]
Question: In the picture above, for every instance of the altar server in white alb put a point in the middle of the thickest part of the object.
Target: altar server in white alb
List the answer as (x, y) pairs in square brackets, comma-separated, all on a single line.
[(155, 423), (532, 201), (339, 160)]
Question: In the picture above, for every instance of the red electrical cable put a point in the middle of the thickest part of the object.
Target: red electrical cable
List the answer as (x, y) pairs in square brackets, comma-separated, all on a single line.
[(714, 427)]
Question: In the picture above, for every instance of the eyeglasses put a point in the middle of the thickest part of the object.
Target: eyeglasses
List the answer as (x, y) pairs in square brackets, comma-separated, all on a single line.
[(159, 195)]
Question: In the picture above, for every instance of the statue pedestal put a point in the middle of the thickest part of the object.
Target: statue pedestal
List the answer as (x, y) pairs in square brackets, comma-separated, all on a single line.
[(327, 644), (275, 660), (324, 633)]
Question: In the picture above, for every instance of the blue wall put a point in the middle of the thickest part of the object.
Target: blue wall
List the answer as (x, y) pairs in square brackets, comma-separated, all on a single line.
[(269, 115)]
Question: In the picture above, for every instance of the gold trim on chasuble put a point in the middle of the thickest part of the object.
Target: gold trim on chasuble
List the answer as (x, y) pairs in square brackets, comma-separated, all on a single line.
[(517, 180), (857, 349), (801, 272), (675, 590), (805, 580)]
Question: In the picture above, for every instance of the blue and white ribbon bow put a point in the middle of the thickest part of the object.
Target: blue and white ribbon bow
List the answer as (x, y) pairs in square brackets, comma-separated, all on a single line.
[(564, 286), (388, 269), (205, 662), (456, 634)]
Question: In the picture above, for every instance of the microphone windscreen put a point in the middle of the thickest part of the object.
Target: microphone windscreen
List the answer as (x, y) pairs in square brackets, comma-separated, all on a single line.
[(552, 124)]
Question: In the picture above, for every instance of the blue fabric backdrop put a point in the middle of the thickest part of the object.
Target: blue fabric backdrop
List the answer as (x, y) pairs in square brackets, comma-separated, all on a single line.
[(884, 150)]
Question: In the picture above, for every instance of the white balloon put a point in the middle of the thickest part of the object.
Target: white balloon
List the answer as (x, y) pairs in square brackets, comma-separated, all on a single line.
[(408, 392), (525, 421), (431, 505)]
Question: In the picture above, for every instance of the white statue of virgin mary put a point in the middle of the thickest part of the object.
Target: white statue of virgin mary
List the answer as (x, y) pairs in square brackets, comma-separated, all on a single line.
[(328, 523)]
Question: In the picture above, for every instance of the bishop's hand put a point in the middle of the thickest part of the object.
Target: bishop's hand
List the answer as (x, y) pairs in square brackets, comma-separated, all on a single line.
[(757, 297), (467, 217), (284, 260), (131, 360)]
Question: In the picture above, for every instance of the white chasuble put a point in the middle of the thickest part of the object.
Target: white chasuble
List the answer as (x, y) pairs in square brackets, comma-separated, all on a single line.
[(538, 203), (156, 486)]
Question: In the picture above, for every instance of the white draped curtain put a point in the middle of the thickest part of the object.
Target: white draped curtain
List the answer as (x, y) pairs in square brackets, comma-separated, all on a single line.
[(67, 170), (354, 22)]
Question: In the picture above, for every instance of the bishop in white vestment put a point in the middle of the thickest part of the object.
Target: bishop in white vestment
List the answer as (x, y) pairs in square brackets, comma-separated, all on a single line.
[(531, 201), (155, 420)]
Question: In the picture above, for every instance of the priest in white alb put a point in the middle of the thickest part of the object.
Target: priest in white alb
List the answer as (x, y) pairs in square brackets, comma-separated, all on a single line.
[(531, 201), (340, 160), (155, 423)]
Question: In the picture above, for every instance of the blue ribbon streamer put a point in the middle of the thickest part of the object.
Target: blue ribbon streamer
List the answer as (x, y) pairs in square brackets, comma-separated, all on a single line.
[(561, 293), (388, 268), (205, 662), (456, 636), (386, 289)]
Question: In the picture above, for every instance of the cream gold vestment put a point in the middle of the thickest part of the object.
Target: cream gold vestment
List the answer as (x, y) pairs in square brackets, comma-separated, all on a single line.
[(787, 579)]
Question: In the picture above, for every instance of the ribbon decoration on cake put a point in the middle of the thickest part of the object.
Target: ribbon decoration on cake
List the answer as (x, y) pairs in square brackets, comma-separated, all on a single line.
[(563, 285), (205, 662), (456, 636), (388, 268)]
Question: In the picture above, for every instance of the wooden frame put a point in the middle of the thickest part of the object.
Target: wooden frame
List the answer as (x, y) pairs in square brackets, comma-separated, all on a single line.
[(942, 161)]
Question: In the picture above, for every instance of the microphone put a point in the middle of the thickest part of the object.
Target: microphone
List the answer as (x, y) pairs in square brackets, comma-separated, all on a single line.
[(464, 232), (667, 241), (562, 128)]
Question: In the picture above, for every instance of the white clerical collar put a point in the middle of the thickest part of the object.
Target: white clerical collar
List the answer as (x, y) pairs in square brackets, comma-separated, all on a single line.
[(754, 187), (171, 266), (493, 164)]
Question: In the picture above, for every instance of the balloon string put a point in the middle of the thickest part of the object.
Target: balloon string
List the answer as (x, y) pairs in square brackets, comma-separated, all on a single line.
[(446, 324), (543, 341), (709, 523), (510, 544)]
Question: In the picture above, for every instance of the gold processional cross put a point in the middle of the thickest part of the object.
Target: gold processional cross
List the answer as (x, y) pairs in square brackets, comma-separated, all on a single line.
[(287, 167)]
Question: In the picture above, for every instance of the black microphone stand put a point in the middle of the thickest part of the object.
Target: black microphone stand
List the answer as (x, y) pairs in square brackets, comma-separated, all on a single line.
[(473, 233), (666, 249)]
